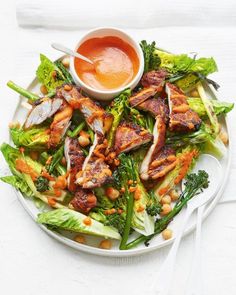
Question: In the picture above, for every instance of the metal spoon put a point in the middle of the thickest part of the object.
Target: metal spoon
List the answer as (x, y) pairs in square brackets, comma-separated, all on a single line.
[(213, 168), (70, 52)]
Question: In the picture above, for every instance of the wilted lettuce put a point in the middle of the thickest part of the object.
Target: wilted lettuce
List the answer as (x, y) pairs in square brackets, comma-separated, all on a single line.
[(52, 74), (35, 138), (19, 184), (74, 221), (220, 107), (185, 71)]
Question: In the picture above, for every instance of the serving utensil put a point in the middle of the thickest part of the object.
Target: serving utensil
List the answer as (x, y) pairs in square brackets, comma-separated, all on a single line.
[(212, 166), (70, 52)]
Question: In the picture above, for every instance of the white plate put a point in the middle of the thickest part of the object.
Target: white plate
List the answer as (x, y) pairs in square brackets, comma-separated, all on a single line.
[(93, 242)]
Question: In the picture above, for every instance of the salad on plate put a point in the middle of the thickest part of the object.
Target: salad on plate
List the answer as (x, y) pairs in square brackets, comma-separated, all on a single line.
[(113, 169)]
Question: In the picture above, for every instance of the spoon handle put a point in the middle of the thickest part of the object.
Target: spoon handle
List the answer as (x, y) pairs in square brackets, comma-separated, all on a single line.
[(164, 277), (68, 51), (194, 286)]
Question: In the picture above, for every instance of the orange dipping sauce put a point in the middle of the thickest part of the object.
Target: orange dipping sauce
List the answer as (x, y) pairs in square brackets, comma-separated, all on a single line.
[(116, 63)]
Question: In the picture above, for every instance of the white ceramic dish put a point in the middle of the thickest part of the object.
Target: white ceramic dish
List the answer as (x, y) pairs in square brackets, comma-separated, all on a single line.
[(93, 242), (99, 33)]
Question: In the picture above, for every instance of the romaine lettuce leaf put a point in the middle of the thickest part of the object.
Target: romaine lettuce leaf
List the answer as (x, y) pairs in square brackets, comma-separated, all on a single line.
[(220, 107), (185, 71), (35, 138), (19, 184), (74, 221), (49, 74)]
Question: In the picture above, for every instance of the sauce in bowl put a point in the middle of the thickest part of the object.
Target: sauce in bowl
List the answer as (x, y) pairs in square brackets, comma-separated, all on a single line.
[(116, 63)]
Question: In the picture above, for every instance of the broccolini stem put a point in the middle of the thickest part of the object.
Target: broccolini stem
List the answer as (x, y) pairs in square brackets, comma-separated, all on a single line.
[(77, 130), (60, 169), (130, 205), (160, 225), (195, 183), (31, 96)]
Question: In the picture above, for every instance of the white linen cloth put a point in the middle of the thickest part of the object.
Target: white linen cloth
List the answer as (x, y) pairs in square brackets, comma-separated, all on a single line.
[(74, 14), (27, 254)]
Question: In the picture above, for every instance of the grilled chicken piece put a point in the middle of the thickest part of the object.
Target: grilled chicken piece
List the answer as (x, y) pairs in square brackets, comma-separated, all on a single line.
[(153, 83), (142, 95), (154, 78), (156, 107), (75, 159), (83, 201), (182, 118), (159, 132), (42, 110), (60, 124), (96, 117), (163, 162), (95, 172), (130, 136)]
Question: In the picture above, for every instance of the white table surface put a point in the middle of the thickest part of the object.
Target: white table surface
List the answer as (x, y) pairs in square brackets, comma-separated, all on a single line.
[(33, 263)]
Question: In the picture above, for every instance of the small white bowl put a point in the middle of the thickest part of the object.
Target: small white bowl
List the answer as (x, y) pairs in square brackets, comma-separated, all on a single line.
[(103, 32)]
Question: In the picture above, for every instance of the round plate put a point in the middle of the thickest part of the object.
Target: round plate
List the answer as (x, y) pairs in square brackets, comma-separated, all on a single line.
[(93, 242)]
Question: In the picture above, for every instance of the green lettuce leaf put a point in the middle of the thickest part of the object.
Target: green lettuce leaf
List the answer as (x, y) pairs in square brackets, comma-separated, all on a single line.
[(49, 74), (19, 184), (73, 221), (220, 107), (35, 138), (185, 71)]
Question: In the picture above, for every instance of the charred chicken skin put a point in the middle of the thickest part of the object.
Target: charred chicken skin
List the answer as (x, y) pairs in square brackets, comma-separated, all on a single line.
[(153, 83), (130, 136), (159, 133), (163, 162), (95, 171), (83, 201), (182, 118), (74, 159)]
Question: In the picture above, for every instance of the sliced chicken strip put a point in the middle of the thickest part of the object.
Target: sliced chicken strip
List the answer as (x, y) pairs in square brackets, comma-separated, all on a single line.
[(142, 95), (182, 118), (156, 107), (75, 159), (96, 117), (153, 83), (159, 132), (154, 78), (95, 172), (42, 111), (130, 136), (60, 124), (163, 162)]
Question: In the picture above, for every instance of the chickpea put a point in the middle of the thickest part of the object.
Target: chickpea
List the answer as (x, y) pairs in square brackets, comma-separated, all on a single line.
[(112, 193), (43, 89), (63, 161), (66, 62), (34, 155), (174, 195), (105, 244), (167, 234), (166, 208), (166, 200), (67, 87), (80, 239), (224, 137), (83, 141), (87, 221), (54, 74), (194, 93)]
